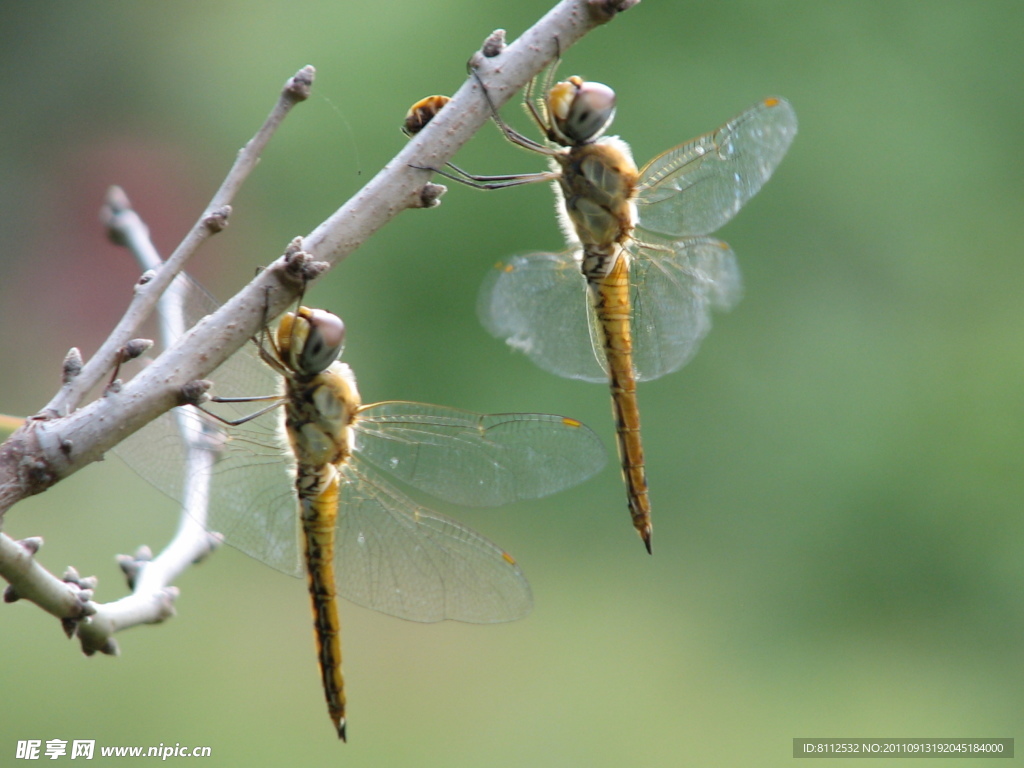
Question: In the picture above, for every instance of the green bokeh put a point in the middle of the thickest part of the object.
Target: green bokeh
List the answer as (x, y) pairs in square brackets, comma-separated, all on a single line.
[(836, 477)]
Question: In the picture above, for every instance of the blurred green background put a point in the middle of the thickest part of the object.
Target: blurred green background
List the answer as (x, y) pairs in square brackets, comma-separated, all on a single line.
[(837, 477)]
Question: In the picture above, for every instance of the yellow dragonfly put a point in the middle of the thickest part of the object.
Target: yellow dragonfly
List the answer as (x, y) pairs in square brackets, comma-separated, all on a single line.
[(327, 454), (631, 299), (421, 113)]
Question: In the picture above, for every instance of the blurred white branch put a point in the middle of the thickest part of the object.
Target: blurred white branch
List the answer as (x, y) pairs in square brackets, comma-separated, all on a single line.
[(61, 440)]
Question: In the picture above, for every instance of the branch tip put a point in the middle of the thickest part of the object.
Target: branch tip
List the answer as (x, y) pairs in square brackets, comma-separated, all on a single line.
[(300, 85), (110, 648), (130, 568), (494, 44), (88, 583), (32, 544), (72, 365), (115, 205)]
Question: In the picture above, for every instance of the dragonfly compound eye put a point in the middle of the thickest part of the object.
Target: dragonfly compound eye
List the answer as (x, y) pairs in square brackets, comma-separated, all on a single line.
[(581, 110), (324, 341)]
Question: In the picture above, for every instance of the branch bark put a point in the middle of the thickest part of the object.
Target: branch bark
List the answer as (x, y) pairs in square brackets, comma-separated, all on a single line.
[(61, 440)]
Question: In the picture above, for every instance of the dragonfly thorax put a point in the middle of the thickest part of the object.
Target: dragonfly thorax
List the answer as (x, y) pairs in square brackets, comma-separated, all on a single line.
[(319, 413), (598, 183)]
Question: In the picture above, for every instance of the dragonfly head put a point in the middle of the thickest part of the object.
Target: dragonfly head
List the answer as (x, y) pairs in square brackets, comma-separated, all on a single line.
[(310, 340), (580, 111)]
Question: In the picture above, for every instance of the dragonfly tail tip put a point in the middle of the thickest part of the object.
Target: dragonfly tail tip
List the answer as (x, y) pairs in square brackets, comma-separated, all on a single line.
[(340, 724), (645, 534)]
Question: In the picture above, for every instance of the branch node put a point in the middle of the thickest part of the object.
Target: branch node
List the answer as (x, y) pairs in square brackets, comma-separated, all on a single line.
[(494, 44), (603, 11), (66, 446), (11, 595), (430, 195), (217, 220), (32, 544), (110, 648), (72, 365), (145, 277), (194, 392), (300, 266), (135, 348), (89, 583), (131, 568), (39, 474), (132, 565), (300, 85), (113, 388), (165, 600)]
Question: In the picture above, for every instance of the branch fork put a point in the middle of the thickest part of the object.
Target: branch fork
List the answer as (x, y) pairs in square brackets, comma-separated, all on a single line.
[(66, 436)]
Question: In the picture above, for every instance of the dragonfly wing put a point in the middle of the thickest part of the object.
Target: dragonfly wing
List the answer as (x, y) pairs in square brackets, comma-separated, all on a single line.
[(539, 304), (697, 187), (475, 459), (400, 558), (674, 287), (248, 483), (251, 501)]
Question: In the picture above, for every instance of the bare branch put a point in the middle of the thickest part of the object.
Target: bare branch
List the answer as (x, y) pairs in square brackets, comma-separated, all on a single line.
[(61, 440), (212, 220)]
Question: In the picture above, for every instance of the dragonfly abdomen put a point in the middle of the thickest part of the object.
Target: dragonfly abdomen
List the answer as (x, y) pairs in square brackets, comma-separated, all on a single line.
[(319, 516), (612, 307)]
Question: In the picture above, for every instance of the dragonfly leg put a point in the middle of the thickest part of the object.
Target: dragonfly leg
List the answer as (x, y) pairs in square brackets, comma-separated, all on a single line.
[(278, 399), (511, 133), (490, 182)]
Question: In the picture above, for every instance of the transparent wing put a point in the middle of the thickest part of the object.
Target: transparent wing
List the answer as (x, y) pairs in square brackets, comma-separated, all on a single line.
[(696, 187), (674, 286), (397, 557), (476, 459), (251, 498), (539, 304)]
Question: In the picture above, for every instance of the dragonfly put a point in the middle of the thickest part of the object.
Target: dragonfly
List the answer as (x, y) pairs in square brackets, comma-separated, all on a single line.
[(422, 112), (302, 485), (630, 300)]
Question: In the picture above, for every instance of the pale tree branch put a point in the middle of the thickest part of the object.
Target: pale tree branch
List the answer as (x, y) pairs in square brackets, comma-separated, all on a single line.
[(61, 440)]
